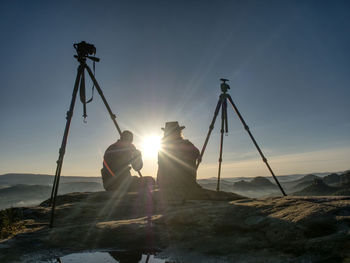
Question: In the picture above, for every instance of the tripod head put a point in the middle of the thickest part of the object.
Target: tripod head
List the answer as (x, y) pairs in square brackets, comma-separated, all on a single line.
[(224, 86), (84, 50)]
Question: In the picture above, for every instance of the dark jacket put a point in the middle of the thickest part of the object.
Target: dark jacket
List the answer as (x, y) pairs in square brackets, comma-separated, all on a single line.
[(116, 163), (177, 164)]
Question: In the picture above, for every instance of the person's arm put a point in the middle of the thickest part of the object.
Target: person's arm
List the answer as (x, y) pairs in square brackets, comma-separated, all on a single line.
[(192, 150), (136, 161)]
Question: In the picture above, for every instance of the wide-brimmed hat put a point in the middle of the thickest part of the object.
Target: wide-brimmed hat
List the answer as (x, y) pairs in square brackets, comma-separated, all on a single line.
[(172, 126)]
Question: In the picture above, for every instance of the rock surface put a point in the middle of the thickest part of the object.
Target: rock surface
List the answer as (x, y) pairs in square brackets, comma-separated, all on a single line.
[(201, 226)]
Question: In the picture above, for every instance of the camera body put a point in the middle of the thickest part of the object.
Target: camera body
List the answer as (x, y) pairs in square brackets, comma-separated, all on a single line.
[(224, 86), (84, 49)]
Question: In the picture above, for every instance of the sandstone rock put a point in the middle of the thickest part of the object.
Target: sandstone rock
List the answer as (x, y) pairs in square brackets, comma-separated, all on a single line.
[(188, 227)]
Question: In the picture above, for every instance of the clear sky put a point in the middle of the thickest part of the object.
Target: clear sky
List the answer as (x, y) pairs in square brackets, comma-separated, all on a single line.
[(288, 63)]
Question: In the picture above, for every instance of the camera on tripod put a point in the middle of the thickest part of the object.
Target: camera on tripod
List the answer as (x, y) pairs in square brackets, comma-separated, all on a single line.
[(224, 86), (84, 49)]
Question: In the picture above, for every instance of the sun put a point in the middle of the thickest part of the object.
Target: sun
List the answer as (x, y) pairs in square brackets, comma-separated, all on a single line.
[(151, 146)]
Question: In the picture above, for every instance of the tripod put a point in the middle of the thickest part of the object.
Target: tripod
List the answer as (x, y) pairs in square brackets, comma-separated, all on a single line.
[(222, 103), (83, 50)]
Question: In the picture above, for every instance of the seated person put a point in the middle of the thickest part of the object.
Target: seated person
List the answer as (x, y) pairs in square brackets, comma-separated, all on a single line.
[(177, 159), (116, 165)]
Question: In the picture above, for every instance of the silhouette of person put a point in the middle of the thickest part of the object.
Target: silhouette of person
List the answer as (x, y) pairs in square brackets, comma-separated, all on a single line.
[(177, 159), (116, 165)]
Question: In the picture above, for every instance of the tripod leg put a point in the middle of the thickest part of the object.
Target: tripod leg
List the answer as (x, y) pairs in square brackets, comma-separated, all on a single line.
[(113, 117), (63, 145), (256, 144), (78, 80), (223, 121), (211, 127), (54, 182), (225, 115)]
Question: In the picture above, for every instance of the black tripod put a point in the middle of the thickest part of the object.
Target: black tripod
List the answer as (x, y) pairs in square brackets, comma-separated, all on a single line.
[(83, 51), (222, 103)]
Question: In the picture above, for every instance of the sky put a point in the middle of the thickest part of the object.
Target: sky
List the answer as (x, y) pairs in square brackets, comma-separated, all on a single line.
[(287, 62)]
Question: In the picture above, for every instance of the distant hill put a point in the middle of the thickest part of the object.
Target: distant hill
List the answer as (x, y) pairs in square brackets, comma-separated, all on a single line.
[(303, 182), (332, 179), (31, 189), (80, 187), (300, 186), (307, 178), (23, 189), (42, 179), (300, 183), (337, 179), (212, 183), (262, 182), (258, 183), (14, 179), (331, 184), (23, 195), (317, 188), (264, 186), (256, 188)]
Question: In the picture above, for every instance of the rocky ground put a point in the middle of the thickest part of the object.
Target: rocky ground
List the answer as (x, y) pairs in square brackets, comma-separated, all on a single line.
[(200, 226)]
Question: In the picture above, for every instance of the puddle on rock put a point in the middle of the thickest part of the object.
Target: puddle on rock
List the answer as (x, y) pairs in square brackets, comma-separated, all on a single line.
[(110, 257)]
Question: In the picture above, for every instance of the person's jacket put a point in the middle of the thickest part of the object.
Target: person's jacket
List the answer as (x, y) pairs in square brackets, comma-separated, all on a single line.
[(119, 156), (177, 161)]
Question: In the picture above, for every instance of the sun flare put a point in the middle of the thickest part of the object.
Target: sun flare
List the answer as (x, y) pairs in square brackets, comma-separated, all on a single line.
[(151, 146)]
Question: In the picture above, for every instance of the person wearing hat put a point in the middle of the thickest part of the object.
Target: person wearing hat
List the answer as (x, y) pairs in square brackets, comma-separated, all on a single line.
[(177, 159), (116, 165)]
